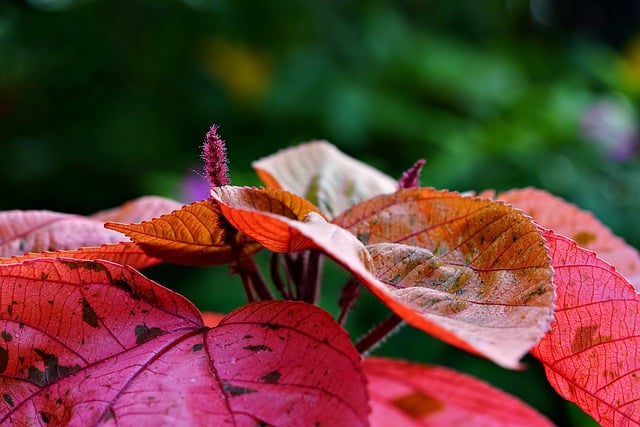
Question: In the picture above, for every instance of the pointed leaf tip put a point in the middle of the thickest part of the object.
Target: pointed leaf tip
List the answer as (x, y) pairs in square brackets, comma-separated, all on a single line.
[(196, 234)]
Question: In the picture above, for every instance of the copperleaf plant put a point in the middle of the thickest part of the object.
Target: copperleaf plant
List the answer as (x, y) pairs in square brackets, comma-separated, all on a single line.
[(86, 339)]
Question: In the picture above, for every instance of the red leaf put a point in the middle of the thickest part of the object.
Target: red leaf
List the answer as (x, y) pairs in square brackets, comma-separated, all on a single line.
[(139, 209), (412, 395), (591, 353), (579, 225), (126, 253), (196, 234), (88, 342), (324, 175), (491, 294), (38, 231)]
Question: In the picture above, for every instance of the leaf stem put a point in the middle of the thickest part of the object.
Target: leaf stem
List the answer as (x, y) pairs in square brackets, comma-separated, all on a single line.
[(276, 277), (377, 335), (248, 270), (348, 296), (309, 286)]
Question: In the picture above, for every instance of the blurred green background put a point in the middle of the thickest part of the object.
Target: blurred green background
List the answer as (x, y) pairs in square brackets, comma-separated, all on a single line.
[(102, 101)]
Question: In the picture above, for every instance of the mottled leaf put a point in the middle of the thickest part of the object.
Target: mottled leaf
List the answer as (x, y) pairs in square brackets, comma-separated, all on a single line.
[(472, 272), (37, 231), (476, 268), (196, 234), (88, 343), (581, 226), (126, 253), (322, 174), (139, 209), (591, 355), (413, 395)]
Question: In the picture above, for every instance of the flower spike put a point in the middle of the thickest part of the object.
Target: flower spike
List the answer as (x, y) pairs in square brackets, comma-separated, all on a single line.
[(214, 155)]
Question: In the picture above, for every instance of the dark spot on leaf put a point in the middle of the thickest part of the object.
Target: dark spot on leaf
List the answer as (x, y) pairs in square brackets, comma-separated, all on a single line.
[(583, 238), (7, 398), (50, 302), (123, 284), (87, 265), (144, 333), (585, 337), (234, 390), (22, 245), (6, 336), (4, 359), (197, 347), (46, 418), (88, 315), (262, 424), (44, 276), (257, 348), (418, 404), (272, 377), (52, 369), (108, 415), (247, 337), (59, 401), (271, 326)]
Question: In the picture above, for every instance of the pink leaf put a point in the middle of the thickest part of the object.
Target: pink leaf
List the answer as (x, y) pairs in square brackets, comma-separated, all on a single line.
[(38, 231), (579, 225), (413, 395), (142, 208), (91, 342), (591, 354)]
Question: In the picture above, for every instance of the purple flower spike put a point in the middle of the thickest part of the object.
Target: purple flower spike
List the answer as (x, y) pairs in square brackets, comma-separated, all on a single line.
[(411, 177), (214, 154)]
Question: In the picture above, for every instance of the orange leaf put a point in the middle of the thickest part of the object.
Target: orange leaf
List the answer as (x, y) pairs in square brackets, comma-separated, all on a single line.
[(500, 309), (196, 234), (579, 225), (413, 395), (258, 212), (471, 272), (591, 353), (125, 253), (139, 209), (322, 174)]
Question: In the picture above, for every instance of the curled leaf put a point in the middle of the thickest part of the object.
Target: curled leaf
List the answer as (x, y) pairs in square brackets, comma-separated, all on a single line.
[(322, 174), (107, 345), (413, 395), (591, 353), (196, 234), (472, 272)]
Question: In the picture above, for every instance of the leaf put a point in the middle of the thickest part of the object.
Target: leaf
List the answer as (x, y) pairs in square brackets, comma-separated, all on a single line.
[(38, 231), (106, 345), (196, 234), (320, 173), (257, 212), (139, 209), (591, 353), (414, 395), (491, 292), (126, 253), (477, 269), (579, 225)]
